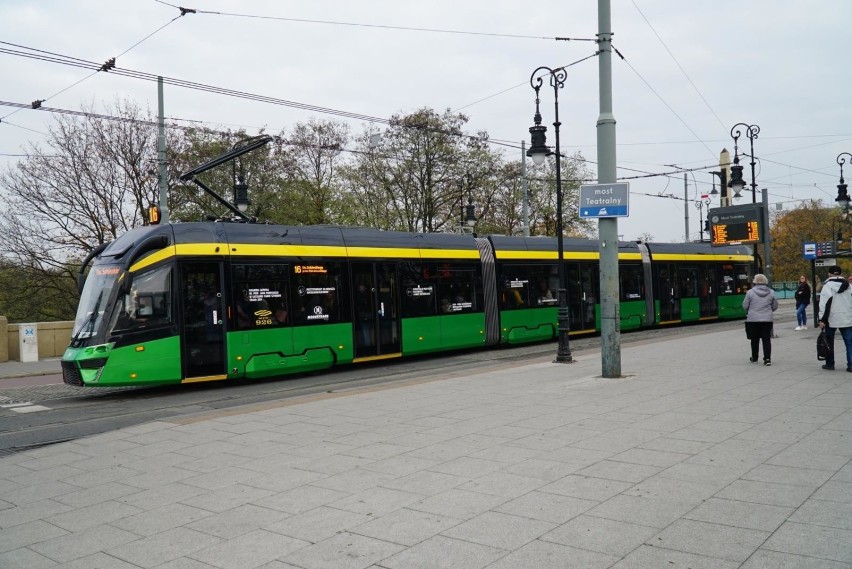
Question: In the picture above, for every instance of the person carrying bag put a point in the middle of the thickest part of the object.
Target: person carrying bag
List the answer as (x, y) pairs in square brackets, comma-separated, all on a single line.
[(835, 313), (760, 304)]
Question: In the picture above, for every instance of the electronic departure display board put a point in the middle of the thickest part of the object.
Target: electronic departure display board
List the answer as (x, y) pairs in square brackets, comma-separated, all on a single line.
[(737, 224)]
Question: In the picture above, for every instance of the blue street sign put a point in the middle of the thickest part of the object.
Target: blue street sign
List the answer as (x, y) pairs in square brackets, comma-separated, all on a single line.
[(605, 200)]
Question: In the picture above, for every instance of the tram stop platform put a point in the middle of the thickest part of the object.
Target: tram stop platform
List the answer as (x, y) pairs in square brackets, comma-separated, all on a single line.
[(695, 458)]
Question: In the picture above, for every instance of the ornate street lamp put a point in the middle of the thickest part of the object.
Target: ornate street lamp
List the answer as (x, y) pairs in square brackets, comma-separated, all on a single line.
[(467, 212), (241, 199), (736, 170), (470, 213), (538, 152), (842, 198)]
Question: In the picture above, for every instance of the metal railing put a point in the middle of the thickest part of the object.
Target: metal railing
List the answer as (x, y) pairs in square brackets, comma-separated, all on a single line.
[(785, 289)]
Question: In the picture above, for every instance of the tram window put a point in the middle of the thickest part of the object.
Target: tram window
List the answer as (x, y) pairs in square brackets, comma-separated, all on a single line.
[(632, 282), (544, 285), (419, 284), (457, 289), (688, 282), (514, 287), (260, 296), (149, 302), (317, 287)]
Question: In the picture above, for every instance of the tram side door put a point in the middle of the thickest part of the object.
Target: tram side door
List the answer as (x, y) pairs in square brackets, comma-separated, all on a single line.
[(708, 277), (376, 307), (582, 295), (669, 294), (203, 321)]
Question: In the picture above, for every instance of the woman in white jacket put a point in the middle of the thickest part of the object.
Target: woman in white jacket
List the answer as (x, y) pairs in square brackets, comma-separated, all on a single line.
[(837, 290)]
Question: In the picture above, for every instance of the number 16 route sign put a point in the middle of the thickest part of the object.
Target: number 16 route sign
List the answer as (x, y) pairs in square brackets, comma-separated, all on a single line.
[(605, 200)]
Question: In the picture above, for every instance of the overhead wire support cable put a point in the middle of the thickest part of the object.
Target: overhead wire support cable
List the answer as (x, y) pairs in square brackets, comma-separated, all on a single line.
[(376, 26), (525, 82), (682, 70), (669, 107)]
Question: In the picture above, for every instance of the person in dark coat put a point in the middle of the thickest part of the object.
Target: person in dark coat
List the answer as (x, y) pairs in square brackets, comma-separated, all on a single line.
[(803, 300), (760, 304)]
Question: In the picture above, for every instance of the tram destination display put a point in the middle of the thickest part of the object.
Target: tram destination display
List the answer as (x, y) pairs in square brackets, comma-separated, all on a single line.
[(736, 225)]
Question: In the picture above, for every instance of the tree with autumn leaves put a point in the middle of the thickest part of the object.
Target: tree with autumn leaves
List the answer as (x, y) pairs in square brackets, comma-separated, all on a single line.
[(812, 222)]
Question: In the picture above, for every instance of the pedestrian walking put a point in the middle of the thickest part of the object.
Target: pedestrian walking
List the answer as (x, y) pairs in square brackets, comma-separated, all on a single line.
[(760, 304), (803, 300), (835, 313)]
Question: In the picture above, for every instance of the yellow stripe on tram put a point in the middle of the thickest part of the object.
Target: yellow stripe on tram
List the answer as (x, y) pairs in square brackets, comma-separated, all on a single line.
[(567, 255), (694, 257), (300, 251)]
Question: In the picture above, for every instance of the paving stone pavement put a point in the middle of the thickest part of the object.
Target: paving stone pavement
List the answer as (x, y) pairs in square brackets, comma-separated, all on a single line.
[(696, 458)]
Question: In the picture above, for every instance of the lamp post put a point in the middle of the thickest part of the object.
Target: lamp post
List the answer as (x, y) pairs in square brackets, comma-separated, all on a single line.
[(837, 233), (842, 198), (723, 186), (538, 152), (240, 187), (704, 200), (467, 213), (736, 170)]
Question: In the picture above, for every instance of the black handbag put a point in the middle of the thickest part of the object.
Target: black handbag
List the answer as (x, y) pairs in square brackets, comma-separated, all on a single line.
[(824, 348)]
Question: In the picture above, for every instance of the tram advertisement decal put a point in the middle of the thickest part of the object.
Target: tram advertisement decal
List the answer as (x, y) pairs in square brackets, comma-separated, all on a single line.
[(258, 294)]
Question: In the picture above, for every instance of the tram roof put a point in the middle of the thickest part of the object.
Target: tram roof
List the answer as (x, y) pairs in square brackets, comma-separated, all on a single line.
[(268, 234), (507, 243), (698, 249)]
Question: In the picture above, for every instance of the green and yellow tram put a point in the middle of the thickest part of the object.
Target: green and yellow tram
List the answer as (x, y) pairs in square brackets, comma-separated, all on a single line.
[(190, 302)]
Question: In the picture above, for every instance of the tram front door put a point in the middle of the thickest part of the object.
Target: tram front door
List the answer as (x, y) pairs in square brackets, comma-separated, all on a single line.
[(376, 306), (203, 321)]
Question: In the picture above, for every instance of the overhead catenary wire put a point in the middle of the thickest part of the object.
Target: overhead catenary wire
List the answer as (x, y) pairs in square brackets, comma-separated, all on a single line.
[(643, 174), (109, 64), (25, 51), (76, 62)]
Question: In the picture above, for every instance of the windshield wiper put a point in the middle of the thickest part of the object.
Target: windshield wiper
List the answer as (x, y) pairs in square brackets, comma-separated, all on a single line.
[(89, 323)]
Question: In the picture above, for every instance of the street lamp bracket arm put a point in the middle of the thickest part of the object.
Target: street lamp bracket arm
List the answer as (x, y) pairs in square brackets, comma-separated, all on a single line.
[(557, 77), (841, 160), (752, 130)]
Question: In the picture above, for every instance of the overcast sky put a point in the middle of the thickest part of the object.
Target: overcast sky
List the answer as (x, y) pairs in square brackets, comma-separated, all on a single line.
[(692, 70)]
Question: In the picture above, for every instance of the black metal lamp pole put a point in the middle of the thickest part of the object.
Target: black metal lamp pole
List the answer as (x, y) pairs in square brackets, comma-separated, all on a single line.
[(700, 204), (538, 151), (842, 198), (752, 130)]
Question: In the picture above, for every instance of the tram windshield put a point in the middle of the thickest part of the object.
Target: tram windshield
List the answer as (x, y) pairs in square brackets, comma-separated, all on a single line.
[(93, 301)]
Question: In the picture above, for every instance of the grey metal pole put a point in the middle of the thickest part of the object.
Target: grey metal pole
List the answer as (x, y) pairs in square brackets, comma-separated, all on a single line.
[(525, 189), (685, 210), (161, 156), (725, 169), (767, 237), (607, 227)]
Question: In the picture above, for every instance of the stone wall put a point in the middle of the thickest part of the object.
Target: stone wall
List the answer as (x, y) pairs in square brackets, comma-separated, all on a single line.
[(53, 338)]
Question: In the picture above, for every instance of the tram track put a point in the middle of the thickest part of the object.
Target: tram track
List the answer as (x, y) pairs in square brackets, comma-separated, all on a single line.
[(78, 412)]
